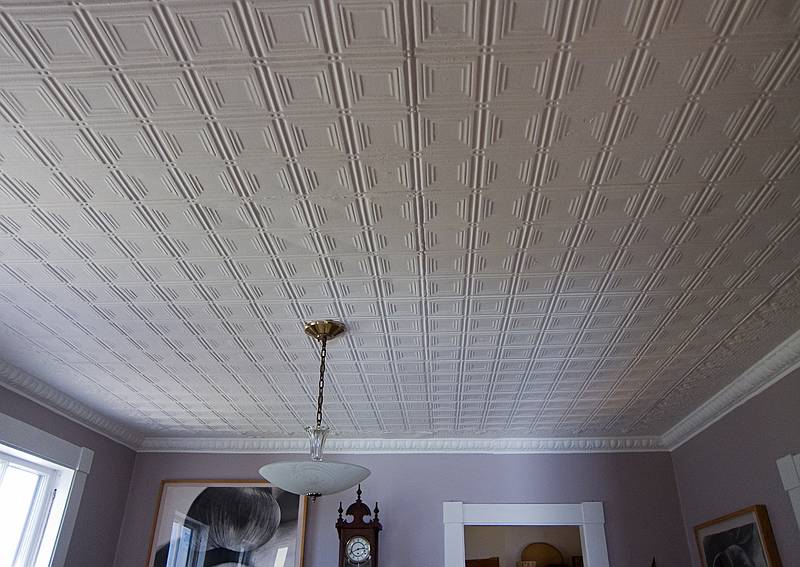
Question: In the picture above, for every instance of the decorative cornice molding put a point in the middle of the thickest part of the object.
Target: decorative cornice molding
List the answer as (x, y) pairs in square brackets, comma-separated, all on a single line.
[(428, 445), (775, 365), (19, 381)]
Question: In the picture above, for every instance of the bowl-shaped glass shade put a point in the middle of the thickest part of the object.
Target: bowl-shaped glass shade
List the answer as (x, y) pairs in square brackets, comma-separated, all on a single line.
[(314, 478)]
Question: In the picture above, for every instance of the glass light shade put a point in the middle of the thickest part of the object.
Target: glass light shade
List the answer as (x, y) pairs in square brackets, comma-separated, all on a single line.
[(317, 435), (314, 478)]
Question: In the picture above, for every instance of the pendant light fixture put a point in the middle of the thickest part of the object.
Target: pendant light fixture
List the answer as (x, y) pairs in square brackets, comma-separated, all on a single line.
[(316, 477)]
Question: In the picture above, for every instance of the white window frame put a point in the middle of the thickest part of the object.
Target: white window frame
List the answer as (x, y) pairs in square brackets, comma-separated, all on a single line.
[(588, 516), (39, 513), (19, 436), (789, 469)]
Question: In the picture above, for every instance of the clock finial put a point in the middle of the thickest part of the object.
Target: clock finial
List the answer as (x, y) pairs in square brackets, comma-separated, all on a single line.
[(375, 513), (340, 511), (358, 492)]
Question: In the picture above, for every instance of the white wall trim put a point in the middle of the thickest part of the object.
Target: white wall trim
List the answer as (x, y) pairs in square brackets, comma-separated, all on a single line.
[(588, 516), (32, 440), (430, 445), (779, 362), (24, 437), (789, 469), (769, 370)]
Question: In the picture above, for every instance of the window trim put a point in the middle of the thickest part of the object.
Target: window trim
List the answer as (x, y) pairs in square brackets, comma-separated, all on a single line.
[(23, 437)]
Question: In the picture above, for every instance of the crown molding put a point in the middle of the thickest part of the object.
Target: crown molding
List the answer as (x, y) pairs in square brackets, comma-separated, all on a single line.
[(779, 362), (28, 386), (775, 365), (428, 445)]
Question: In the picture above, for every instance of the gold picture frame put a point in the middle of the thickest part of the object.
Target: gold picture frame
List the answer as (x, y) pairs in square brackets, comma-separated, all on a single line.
[(208, 522), (739, 537)]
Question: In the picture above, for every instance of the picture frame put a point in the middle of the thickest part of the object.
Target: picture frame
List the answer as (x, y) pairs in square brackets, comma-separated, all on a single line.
[(204, 523), (743, 538)]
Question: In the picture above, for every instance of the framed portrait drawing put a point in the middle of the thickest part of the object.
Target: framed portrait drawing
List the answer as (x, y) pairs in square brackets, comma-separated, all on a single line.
[(740, 539), (205, 523)]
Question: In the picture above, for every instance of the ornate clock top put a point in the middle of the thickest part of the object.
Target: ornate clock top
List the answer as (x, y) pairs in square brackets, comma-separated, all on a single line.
[(358, 538), (358, 510)]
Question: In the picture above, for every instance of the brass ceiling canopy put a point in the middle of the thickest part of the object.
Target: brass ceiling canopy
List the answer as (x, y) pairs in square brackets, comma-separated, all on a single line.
[(324, 329)]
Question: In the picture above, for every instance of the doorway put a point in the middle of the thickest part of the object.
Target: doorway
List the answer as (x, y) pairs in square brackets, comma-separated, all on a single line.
[(589, 517), (547, 545)]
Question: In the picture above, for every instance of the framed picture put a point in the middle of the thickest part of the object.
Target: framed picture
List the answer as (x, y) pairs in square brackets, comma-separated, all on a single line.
[(204, 523), (740, 539)]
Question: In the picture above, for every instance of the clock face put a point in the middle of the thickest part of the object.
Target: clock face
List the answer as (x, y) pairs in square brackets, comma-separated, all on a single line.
[(358, 550)]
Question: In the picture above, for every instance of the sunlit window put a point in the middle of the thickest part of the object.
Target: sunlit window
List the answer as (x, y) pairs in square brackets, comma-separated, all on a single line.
[(31, 508)]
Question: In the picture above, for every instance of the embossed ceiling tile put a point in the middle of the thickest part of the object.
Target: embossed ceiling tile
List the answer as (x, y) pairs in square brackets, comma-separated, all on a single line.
[(30, 99), (786, 117), (451, 171), (583, 188), (56, 37), (325, 213), (19, 184), (323, 177), (171, 141), (383, 211), (541, 75), (11, 59), (364, 28), (376, 84), (522, 23), (447, 24), (445, 263), (164, 93), (317, 137), (233, 90), (303, 88), (209, 30), (284, 242), (132, 33), (447, 80), (289, 29)]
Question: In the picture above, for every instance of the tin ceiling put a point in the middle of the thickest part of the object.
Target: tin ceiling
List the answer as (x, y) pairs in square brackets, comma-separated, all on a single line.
[(570, 218)]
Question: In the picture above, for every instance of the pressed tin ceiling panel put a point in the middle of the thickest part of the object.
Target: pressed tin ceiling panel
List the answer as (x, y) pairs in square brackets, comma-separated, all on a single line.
[(565, 218)]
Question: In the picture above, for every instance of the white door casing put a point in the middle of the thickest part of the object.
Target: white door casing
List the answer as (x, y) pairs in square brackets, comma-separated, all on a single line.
[(588, 516)]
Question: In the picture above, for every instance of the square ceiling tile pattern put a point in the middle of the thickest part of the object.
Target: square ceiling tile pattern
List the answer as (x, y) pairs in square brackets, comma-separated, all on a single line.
[(561, 218)]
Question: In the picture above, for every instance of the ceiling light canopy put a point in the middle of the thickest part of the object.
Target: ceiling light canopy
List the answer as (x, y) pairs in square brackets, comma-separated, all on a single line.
[(316, 477)]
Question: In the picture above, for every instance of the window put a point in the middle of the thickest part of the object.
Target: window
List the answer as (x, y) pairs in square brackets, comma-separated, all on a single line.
[(41, 483), (32, 508)]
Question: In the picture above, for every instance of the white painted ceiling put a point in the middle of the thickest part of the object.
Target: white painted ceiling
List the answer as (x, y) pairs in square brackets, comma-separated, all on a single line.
[(563, 218)]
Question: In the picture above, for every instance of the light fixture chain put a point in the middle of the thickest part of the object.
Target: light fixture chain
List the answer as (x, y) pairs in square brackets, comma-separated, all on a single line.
[(323, 354)]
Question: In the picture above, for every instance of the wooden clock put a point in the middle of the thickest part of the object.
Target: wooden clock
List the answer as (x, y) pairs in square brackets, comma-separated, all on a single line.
[(358, 538)]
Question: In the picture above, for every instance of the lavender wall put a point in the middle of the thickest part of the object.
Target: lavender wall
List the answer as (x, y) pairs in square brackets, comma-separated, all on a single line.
[(642, 510), (731, 465), (94, 540)]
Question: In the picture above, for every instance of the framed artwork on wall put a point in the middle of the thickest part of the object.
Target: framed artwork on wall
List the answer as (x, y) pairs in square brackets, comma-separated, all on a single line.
[(741, 539), (205, 523)]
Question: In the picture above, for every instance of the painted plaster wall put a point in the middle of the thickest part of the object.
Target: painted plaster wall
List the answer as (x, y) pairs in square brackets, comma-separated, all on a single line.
[(94, 540), (642, 510), (731, 465)]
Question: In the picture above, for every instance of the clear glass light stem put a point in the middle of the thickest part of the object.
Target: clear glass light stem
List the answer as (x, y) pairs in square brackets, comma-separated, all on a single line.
[(317, 435)]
